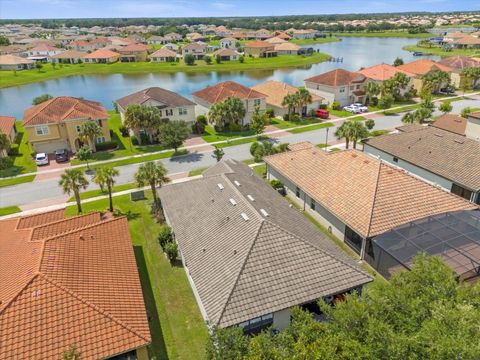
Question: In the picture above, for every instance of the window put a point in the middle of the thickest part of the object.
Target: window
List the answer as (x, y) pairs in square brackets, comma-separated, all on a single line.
[(100, 139), (342, 89), (358, 87), (78, 128), (169, 112), (99, 122), (312, 204), (352, 87), (458, 190), (42, 130), (182, 111), (256, 325), (353, 239), (256, 102), (395, 159), (297, 192)]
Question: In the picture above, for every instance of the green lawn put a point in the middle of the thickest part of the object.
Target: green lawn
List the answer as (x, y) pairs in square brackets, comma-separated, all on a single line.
[(23, 160), (339, 113), (198, 171), (402, 34), (260, 169), (241, 141), (9, 210), (11, 78), (211, 135), (286, 124), (177, 327), (314, 41), (401, 110), (440, 52), (16, 180), (310, 128), (94, 193)]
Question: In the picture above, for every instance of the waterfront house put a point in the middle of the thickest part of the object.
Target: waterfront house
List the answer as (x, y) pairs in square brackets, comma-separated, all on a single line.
[(287, 48), (68, 57), (249, 256), (12, 62), (213, 94), (260, 49), (422, 67), (56, 123), (163, 55), (195, 49), (102, 56), (157, 40), (133, 53), (228, 43), (43, 51), (70, 281), (226, 54), (304, 34), (7, 127), (457, 64), (340, 85)]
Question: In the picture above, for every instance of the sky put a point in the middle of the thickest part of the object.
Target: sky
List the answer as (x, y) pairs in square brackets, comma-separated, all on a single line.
[(42, 9)]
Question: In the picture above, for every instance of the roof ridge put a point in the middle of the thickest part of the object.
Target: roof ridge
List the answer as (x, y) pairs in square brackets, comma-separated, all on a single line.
[(32, 215), (374, 198), (9, 302), (40, 108)]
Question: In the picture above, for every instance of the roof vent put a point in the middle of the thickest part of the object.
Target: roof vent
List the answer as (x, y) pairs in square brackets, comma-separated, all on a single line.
[(237, 183), (459, 141), (250, 197), (220, 186), (438, 135), (264, 212), (244, 216), (354, 155), (36, 293), (366, 161), (81, 237), (203, 249), (234, 252), (233, 202)]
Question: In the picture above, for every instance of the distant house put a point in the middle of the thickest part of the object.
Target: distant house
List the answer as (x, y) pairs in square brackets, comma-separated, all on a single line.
[(226, 54), (457, 64), (82, 45), (276, 92), (340, 85), (173, 36), (171, 46), (228, 43), (163, 55), (55, 124), (260, 49), (276, 40), (197, 50), (195, 36), (133, 53), (68, 57), (210, 95), (451, 122), (287, 48), (422, 67), (43, 51), (157, 40), (12, 62), (7, 127), (304, 34), (102, 56)]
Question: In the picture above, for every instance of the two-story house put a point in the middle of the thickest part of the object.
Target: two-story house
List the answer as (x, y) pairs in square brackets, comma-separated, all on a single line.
[(56, 123), (195, 49), (381, 72), (133, 53), (260, 49), (421, 68), (210, 95), (340, 85), (228, 43)]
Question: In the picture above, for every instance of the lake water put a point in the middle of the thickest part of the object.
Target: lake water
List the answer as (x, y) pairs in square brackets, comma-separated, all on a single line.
[(356, 52)]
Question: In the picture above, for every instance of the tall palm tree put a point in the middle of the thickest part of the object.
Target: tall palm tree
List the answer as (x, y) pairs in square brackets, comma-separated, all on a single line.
[(134, 119), (304, 97), (89, 131), (357, 132), (343, 132), (153, 174), (4, 143), (152, 119), (105, 178), (290, 101), (216, 114), (371, 89), (234, 109), (71, 182)]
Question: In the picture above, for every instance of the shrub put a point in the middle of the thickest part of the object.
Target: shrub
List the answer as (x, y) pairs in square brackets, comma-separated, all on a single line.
[(234, 127), (254, 147), (336, 105), (465, 112), (6, 163), (124, 131), (280, 148), (295, 118), (189, 59), (144, 137), (323, 106), (270, 112), (286, 117), (370, 124), (207, 59), (311, 113), (107, 145), (259, 153), (198, 128), (276, 184), (202, 119), (134, 140), (241, 59), (165, 236), (171, 250)]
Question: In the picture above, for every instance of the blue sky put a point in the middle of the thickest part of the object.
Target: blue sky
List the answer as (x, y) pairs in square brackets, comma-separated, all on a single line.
[(28, 9)]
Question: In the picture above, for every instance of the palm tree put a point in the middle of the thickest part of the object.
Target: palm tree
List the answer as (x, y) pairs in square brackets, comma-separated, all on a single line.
[(434, 80), (89, 131), (153, 174), (357, 132), (343, 132), (371, 89), (304, 97), (72, 181), (4, 143), (235, 110), (409, 117), (290, 101), (105, 178), (134, 119), (152, 119)]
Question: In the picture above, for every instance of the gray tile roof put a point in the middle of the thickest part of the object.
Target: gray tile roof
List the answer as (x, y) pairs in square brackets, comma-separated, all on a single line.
[(166, 97), (441, 152), (246, 268)]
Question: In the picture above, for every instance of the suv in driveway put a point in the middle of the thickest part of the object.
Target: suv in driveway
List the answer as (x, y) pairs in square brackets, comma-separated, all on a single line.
[(41, 159), (61, 155)]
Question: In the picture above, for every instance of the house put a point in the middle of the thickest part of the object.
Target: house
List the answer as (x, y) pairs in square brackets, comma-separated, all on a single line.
[(283, 36), (382, 72), (197, 50), (195, 36), (82, 45), (262, 34), (171, 105), (228, 43), (457, 64), (157, 40), (451, 122), (472, 130), (55, 123), (12, 62), (43, 51), (355, 196), (441, 157), (210, 95), (248, 255), (340, 85), (68, 57), (173, 36), (276, 92), (133, 53), (71, 281), (226, 54), (304, 34), (102, 56), (287, 48), (276, 40), (260, 49), (422, 67), (163, 55), (7, 127), (171, 46), (466, 42)]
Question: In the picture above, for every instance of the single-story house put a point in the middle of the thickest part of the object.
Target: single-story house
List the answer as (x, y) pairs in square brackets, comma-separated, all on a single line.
[(173, 36), (43, 50), (55, 123), (441, 157), (228, 43), (210, 95), (276, 92), (68, 57), (102, 56), (304, 34), (157, 40), (457, 64), (451, 122), (82, 45), (197, 50), (171, 46), (195, 36), (422, 67), (340, 85), (133, 53), (7, 127), (12, 62), (163, 55), (356, 196), (71, 281), (260, 49), (287, 48), (226, 54), (248, 255)]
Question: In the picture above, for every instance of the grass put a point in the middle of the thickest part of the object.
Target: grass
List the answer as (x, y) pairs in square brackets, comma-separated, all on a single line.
[(22, 162), (401, 34), (314, 41), (440, 52), (9, 210), (286, 124), (177, 328), (260, 169), (16, 180), (241, 141), (198, 171), (401, 110), (211, 135), (339, 113), (321, 146), (310, 128), (11, 78), (94, 193)]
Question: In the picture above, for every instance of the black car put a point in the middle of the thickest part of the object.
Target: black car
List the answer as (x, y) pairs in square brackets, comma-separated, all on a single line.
[(61, 155)]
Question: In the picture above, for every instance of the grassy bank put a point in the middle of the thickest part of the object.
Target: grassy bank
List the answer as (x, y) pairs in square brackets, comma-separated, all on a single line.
[(401, 34), (22, 159), (94, 193), (311, 128), (11, 78), (438, 51), (314, 41), (9, 210)]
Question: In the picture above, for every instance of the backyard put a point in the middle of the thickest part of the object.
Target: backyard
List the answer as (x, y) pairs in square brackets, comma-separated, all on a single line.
[(23, 155)]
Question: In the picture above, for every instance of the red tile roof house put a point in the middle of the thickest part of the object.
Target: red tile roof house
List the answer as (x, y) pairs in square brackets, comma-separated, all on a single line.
[(381, 72), (133, 53), (7, 127), (82, 45), (210, 95), (457, 64), (102, 56), (260, 49), (226, 54), (43, 50), (197, 50), (163, 55), (70, 282), (422, 67), (340, 85)]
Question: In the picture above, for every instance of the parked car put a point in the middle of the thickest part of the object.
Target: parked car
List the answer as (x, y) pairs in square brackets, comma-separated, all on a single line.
[(352, 109), (61, 155), (41, 159), (447, 90), (360, 106), (322, 114)]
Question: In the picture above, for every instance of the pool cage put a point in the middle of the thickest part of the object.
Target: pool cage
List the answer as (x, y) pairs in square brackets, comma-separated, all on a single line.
[(453, 236)]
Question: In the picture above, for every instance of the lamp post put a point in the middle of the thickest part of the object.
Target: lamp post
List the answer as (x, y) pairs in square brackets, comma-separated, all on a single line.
[(326, 139)]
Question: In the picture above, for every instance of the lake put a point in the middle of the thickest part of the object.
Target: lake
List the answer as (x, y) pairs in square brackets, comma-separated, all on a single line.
[(356, 52)]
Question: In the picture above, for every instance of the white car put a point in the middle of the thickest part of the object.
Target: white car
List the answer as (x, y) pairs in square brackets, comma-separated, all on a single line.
[(360, 106), (352, 109), (41, 159)]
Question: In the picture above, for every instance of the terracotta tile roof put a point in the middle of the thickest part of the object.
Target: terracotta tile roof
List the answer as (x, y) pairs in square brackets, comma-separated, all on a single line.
[(467, 40), (44, 48), (102, 54), (80, 281), (459, 62), (287, 47), (276, 91), (135, 47), (258, 44), (441, 152), (221, 91), (244, 269), (63, 108), (14, 60), (276, 40), (369, 196), (6, 124), (163, 52), (382, 72), (69, 54), (452, 123), (225, 52), (337, 77), (163, 96), (423, 66)]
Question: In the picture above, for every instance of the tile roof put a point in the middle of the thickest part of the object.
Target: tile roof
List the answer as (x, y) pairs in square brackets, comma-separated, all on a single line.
[(163, 52), (459, 62), (225, 52), (223, 90), (63, 108), (102, 54), (441, 152), (276, 91), (287, 47), (166, 97), (135, 47), (366, 194), (423, 66), (14, 60), (6, 124), (246, 268), (276, 40), (69, 281), (382, 72), (452, 123), (69, 54), (258, 44), (337, 77)]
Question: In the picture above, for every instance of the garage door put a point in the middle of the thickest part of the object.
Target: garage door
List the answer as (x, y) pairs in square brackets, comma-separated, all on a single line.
[(50, 146)]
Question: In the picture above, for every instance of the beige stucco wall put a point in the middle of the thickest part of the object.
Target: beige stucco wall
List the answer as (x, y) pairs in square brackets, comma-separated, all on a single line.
[(473, 128), (257, 51), (281, 319), (203, 107)]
